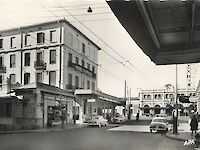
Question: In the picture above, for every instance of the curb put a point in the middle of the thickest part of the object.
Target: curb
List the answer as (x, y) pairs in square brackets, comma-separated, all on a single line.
[(40, 131), (174, 138)]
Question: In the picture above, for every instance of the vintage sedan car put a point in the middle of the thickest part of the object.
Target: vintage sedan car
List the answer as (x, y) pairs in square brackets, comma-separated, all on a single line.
[(118, 119), (159, 124), (98, 121)]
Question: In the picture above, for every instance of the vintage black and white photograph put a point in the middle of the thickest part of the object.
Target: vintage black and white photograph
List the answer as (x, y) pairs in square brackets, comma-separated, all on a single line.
[(99, 75)]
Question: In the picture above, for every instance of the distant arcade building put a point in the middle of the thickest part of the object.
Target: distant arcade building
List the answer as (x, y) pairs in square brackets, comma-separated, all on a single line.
[(162, 101)]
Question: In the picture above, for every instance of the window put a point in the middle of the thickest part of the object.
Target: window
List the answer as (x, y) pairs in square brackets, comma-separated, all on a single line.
[(39, 57), (1, 43), (88, 66), (93, 69), (27, 59), (26, 78), (93, 86), (88, 84), (70, 80), (83, 63), (12, 39), (12, 78), (40, 37), (83, 84), (39, 77), (12, 61), (77, 60), (77, 82), (70, 57), (8, 110), (1, 62), (1, 81), (52, 56), (83, 48), (52, 78), (53, 36), (27, 38)]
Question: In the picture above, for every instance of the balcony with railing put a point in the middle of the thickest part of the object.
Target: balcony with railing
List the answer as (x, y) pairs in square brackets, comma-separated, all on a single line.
[(40, 65), (81, 69), (72, 87), (2, 69)]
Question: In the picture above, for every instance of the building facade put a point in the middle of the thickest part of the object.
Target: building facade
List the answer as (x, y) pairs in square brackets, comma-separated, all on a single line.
[(162, 101), (55, 54), (192, 75)]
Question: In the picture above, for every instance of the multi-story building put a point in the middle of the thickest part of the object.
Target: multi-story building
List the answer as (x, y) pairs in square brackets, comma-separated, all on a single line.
[(192, 75), (55, 54), (163, 101)]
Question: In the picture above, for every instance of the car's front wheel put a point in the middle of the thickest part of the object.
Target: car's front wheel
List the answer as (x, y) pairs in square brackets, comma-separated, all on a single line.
[(151, 130)]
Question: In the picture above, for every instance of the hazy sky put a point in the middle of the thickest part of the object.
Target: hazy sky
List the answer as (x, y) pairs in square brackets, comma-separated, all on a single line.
[(103, 28)]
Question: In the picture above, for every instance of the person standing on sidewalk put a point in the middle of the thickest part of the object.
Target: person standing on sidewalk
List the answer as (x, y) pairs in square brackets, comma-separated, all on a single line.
[(137, 116), (194, 124)]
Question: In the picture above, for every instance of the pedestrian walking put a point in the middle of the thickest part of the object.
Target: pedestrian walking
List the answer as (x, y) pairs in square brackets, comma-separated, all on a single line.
[(194, 124), (137, 116)]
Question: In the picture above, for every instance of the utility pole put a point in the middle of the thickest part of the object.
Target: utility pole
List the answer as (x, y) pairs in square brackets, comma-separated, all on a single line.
[(175, 114), (125, 109), (129, 105)]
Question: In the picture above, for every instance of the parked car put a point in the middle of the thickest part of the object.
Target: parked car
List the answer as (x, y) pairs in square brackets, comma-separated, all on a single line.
[(118, 119), (161, 115), (159, 124), (98, 121)]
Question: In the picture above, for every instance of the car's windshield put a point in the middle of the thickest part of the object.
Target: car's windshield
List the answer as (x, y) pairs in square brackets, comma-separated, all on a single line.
[(95, 117), (159, 120)]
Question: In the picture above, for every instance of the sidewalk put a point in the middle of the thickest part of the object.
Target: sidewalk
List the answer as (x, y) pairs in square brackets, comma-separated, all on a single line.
[(54, 129), (184, 132)]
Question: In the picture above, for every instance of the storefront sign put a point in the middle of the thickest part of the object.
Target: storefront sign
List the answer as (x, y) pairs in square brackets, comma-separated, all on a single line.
[(91, 100), (81, 91)]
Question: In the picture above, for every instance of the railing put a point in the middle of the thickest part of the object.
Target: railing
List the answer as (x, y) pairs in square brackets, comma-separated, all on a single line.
[(40, 65), (2, 69), (81, 69), (72, 87)]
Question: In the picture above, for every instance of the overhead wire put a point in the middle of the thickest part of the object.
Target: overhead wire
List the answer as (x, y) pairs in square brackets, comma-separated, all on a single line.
[(103, 42), (96, 36)]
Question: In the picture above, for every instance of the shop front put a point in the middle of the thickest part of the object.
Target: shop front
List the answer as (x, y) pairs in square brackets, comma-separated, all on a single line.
[(43, 106)]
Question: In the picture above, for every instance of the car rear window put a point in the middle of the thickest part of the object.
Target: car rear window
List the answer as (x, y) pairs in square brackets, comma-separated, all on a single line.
[(95, 117), (159, 120)]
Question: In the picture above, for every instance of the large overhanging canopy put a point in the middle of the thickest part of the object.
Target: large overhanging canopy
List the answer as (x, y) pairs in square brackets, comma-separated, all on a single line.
[(168, 31)]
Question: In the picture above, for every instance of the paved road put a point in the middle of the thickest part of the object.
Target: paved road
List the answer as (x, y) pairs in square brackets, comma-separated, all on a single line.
[(90, 138)]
